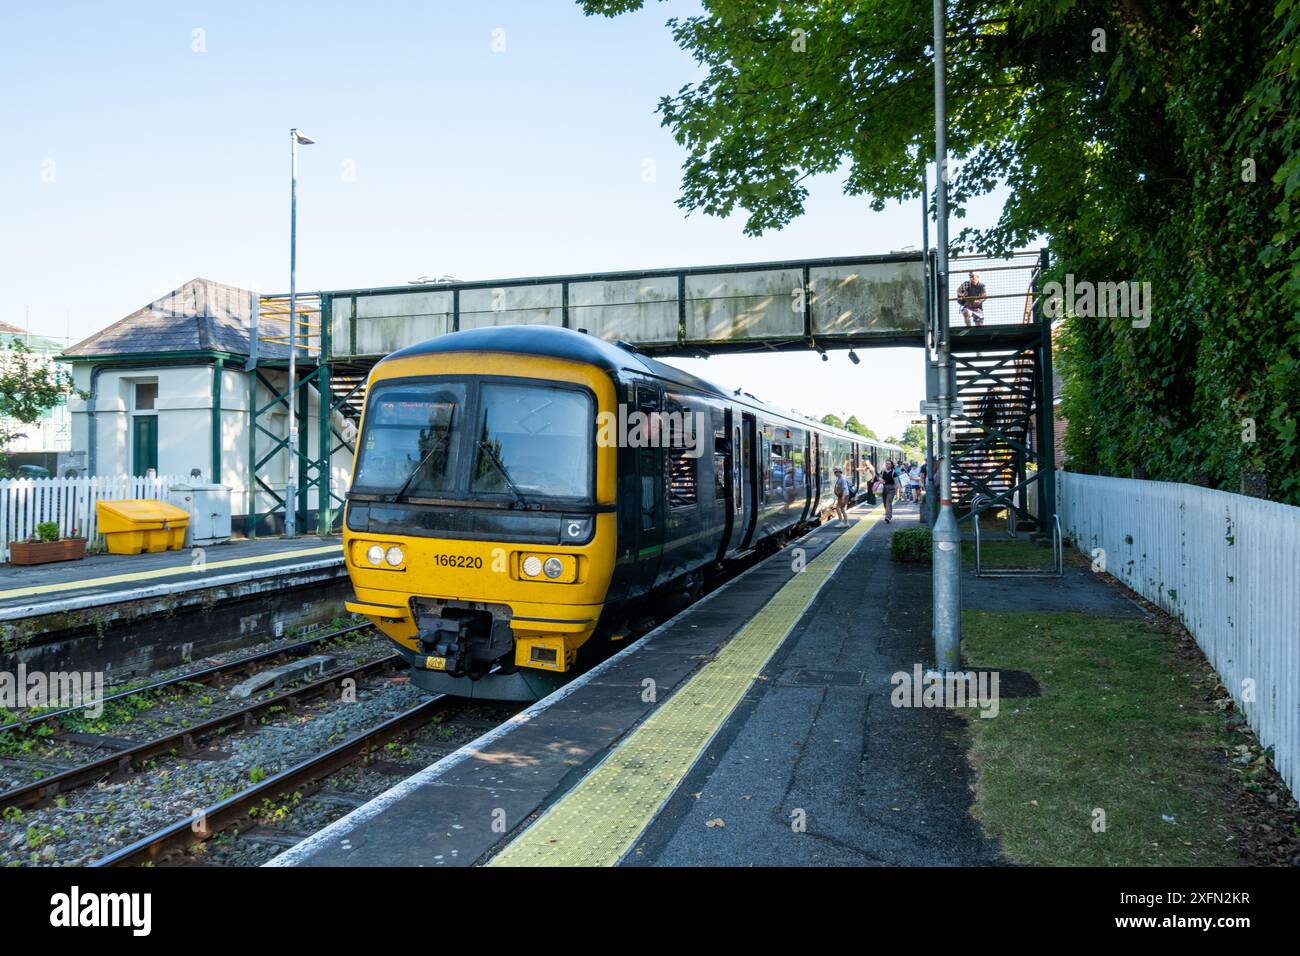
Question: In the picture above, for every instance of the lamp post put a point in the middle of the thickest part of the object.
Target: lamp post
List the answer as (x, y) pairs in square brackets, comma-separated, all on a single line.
[(947, 536), (291, 485)]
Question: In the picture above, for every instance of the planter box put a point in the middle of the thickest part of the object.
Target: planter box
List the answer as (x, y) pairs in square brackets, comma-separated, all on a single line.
[(43, 552)]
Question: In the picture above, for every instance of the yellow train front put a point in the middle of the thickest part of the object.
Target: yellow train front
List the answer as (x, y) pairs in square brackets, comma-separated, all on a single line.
[(521, 490), (479, 531)]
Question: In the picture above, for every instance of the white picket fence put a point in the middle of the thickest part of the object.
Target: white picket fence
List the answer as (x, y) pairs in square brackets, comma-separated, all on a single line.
[(27, 502), (1225, 565)]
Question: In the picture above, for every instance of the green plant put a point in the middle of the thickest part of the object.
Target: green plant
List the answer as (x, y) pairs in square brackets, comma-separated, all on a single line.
[(48, 531), (1152, 141), (911, 544)]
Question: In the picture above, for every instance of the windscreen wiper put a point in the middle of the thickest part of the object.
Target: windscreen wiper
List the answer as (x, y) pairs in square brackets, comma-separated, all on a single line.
[(397, 495), (520, 500)]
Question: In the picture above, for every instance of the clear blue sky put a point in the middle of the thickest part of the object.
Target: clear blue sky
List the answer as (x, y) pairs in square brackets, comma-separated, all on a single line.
[(133, 163)]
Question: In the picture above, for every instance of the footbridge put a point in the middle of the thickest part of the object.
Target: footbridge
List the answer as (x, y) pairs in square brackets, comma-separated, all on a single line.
[(1002, 445)]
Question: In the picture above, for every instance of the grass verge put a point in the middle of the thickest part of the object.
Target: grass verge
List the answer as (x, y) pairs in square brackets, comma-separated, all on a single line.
[(1119, 728), (1003, 552)]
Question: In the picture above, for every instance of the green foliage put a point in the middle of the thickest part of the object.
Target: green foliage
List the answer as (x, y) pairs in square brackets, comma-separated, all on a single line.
[(850, 425), (913, 442), (855, 426), (1125, 132), (29, 387), (48, 530), (911, 544)]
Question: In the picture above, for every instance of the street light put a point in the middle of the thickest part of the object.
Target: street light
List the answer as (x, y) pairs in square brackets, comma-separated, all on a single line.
[(946, 579), (296, 139)]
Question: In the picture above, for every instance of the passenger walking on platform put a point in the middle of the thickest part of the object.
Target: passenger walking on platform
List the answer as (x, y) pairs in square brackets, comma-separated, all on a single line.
[(841, 497), (889, 485)]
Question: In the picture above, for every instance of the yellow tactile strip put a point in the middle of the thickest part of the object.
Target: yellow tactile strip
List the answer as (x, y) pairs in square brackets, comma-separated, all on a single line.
[(166, 572), (598, 821)]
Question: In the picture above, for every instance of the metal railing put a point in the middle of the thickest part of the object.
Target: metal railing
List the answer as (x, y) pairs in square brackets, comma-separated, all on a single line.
[(982, 503)]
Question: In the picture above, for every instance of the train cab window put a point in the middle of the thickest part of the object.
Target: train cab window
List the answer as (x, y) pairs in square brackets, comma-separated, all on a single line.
[(411, 443), (533, 440)]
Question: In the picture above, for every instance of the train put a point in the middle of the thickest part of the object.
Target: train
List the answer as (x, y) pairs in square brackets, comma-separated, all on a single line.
[(525, 497)]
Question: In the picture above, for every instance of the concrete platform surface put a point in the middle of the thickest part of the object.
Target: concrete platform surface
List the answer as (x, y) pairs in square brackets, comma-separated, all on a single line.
[(755, 728), (106, 578)]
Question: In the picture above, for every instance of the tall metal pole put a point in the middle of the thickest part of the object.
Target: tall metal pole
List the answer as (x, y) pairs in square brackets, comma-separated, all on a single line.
[(291, 485), (927, 511), (947, 538)]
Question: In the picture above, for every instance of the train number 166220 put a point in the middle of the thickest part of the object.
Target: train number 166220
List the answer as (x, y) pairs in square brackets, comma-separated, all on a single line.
[(458, 561)]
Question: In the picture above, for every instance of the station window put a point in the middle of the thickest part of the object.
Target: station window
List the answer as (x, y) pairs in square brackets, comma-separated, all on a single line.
[(146, 396)]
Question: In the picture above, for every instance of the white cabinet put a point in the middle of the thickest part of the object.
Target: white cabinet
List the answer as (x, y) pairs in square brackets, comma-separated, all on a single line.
[(209, 508)]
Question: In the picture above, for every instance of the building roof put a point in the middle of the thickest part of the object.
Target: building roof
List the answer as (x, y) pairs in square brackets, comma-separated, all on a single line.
[(41, 344), (200, 316)]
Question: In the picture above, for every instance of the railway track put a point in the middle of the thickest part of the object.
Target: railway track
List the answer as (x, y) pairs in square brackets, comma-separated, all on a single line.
[(185, 741), (207, 823), (204, 676)]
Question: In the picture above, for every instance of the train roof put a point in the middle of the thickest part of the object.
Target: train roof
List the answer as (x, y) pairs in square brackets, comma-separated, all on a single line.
[(575, 346)]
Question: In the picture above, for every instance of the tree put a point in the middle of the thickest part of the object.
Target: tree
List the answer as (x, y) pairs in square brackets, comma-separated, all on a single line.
[(832, 420), (913, 442), (855, 426), (29, 387), (1153, 141)]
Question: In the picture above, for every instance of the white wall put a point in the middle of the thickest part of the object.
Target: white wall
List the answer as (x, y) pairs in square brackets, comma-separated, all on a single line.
[(184, 407)]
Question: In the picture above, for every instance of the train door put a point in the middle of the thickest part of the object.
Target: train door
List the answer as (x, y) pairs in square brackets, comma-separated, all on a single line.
[(751, 477), (727, 465), (814, 470)]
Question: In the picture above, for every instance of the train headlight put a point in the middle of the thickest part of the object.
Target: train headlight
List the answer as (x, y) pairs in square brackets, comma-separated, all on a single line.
[(553, 567), (375, 554), (394, 556), (532, 566)]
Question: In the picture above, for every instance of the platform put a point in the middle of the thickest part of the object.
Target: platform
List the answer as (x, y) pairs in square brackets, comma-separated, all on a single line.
[(755, 728), (128, 614), (603, 754), (108, 578)]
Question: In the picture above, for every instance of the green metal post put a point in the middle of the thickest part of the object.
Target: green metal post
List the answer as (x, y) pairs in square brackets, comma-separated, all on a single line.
[(218, 371), (1047, 413), (299, 400), (250, 529), (324, 414)]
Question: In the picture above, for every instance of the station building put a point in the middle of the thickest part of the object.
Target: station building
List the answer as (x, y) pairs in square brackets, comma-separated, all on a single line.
[(170, 388)]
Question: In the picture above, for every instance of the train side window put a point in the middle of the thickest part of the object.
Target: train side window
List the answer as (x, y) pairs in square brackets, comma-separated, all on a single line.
[(683, 478), (649, 491), (720, 450)]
